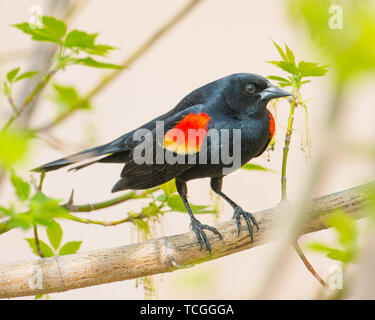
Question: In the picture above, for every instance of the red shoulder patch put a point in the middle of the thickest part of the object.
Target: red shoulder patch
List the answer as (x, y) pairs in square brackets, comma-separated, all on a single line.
[(187, 136), (272, 126)]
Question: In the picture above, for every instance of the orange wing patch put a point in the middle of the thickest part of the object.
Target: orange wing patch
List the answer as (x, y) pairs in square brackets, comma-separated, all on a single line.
[(272, 126), (187, 136)]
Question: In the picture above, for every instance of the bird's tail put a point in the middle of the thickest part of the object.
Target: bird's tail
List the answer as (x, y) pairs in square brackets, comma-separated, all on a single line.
[(114, 152)]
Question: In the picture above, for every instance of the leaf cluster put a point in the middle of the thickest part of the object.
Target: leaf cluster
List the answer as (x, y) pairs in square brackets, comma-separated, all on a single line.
[(297, 71)]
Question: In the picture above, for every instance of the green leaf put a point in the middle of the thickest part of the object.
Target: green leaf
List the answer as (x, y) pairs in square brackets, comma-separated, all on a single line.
[(81, 40), (6, 88), (311, 69), (286, 66), (281, 51), (284, 84), (68, 98), (90, 62), (44, 247), (14, 145), (277, 78), (21, 220), (290, 55), (201, 209), (70, 248), (54, 233), (169, 187), (44, 209), (22, 187), (162, 198), (320, 247), (7, 211), (12, 74), (251, 166), (27, 75), (345, 226), (339, 255), (332, 253), (175, 203), (51, 30), (150, 210), (38, 296)]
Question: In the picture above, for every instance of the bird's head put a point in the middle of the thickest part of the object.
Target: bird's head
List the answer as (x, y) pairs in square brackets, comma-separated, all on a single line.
[(247, 93)]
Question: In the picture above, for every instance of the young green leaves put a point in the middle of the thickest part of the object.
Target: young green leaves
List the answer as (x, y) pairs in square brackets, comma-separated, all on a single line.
[(80, 40), (68, 99), (55, 235), (14, 76), (296, 71), (72, 43), (347, 232), (14, 147), (51, 29), (21, 187), (256, 167)]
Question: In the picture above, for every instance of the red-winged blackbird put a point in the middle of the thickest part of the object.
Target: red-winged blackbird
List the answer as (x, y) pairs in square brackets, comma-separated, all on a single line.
[(237, 101)]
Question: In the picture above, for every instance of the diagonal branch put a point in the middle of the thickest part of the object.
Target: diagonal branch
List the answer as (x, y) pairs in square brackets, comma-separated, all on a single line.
[(128, 61), (167, 254)]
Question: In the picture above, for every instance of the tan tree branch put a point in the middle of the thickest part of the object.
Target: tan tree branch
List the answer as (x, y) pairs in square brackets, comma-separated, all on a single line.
[(167, 254)]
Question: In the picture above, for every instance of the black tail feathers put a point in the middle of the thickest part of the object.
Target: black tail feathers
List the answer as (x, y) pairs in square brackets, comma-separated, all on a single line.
[(113, 150)]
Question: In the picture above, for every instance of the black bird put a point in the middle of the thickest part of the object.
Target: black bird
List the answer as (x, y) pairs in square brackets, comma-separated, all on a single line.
[(237, 101)]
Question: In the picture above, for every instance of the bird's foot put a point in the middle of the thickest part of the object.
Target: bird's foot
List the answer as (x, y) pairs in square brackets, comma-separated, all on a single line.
[(198, 228), (249, 218)]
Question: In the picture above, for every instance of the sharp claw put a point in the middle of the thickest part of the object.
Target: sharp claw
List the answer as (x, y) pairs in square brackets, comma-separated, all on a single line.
[(200, 234), (200, 241), (238, 221), (238, 212), (207, 244), (214, 230), (249, 226)]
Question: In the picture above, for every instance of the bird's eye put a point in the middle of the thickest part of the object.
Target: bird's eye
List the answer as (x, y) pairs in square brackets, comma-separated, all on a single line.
[(250, 88)]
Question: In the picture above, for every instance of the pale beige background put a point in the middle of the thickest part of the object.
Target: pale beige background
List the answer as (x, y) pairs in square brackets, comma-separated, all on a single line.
[(219, 38)]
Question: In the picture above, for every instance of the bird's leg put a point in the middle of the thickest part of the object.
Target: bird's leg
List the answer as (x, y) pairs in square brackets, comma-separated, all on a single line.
[(216, 184), (196, 226)]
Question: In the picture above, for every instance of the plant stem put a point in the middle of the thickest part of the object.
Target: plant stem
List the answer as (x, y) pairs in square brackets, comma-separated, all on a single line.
[(38, 88), (128, 61), (105, 223), (109, 203), (308, 264), (37, 244), (288, 137)]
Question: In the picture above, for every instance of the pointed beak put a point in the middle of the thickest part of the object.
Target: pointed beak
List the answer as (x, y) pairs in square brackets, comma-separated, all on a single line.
[(273, 92)]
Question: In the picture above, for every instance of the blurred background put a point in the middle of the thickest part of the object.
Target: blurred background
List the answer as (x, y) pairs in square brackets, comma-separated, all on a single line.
[(218, 38)]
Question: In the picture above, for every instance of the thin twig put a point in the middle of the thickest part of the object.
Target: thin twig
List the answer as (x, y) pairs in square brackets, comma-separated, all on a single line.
[(106, 223), (108, 203), (298, 215), (308, 264), (38, 88), (128, 61), (288, 136), (37, 243), (5, 226)]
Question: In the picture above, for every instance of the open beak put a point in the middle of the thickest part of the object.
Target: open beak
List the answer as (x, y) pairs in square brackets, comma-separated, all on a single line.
[(273, 92)]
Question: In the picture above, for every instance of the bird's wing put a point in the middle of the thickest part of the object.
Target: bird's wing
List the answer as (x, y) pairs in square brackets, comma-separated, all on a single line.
[(173, 151), (118, 150)]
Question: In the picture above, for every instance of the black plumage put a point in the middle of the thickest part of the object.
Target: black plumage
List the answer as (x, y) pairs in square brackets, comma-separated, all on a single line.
[(237, 101)]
